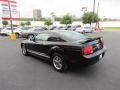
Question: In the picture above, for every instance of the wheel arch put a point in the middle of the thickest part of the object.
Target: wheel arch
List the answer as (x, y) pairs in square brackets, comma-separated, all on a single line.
[(55, 49), (23, 44)]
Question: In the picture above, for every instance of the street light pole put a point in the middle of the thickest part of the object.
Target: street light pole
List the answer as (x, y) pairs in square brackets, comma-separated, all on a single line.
[(11, 24), (84, 9)]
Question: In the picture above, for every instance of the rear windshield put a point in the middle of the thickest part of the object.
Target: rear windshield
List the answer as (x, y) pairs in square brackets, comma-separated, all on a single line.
[(72, 36)]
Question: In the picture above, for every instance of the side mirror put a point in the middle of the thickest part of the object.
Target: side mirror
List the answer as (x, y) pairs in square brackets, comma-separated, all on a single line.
[(31, 38)]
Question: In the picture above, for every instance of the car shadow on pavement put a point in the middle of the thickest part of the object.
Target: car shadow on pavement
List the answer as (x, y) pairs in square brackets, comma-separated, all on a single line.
[(85, 71)]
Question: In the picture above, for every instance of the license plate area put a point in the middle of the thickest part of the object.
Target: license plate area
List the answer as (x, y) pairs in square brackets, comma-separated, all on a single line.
[(96, 45)]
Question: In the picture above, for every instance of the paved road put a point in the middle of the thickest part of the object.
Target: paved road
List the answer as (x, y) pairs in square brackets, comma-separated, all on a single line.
[(18, 72)]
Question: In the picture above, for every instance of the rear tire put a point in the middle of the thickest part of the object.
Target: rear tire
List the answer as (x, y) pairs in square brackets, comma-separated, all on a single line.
[(59, 62)]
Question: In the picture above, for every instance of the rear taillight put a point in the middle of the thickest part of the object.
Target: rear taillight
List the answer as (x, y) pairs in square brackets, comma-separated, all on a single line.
[(88, 50)]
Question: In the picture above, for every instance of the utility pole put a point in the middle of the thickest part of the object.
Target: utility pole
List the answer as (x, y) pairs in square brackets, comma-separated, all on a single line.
[(93, 11), (98, 8), (11, 24), (94, 6), (97, 27)]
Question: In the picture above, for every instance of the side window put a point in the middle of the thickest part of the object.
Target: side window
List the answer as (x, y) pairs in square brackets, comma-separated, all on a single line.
[(42, 37), (55, 39)]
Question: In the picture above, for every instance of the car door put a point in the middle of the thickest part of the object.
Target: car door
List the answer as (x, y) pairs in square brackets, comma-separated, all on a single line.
[(40, 41), (30, 45), (35, 44)]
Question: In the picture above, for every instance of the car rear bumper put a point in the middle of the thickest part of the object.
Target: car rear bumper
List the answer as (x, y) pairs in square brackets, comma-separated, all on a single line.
[(82, 59), (99, 54)]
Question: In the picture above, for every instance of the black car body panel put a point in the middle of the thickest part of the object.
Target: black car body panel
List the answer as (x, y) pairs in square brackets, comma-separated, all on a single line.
[(71, 50)]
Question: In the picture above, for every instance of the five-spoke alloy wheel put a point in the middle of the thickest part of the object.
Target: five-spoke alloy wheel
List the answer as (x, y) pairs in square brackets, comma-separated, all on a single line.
[(59, 62)]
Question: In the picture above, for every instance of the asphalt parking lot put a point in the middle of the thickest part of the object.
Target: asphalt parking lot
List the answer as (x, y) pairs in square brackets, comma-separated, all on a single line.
[(18, 72)]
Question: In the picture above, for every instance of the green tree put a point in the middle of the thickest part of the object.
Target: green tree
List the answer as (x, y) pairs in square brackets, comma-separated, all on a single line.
[(5, 23), (48, 22), (28, 23), (90, 17), (66, 19), (22, 24)]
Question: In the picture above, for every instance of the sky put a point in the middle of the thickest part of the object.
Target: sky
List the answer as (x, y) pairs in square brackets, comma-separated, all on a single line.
[(107, 8)]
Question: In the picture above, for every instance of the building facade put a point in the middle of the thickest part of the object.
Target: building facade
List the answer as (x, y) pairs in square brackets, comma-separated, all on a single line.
[(37, 14), (5, 12)]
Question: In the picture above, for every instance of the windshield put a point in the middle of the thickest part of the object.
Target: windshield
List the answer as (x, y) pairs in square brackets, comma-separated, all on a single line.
[(26, 28), (37, 30), (72, 36), (10, 28)]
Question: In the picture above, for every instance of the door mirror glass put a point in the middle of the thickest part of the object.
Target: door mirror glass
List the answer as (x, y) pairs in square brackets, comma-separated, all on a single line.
[(42, 37), (31, 38)]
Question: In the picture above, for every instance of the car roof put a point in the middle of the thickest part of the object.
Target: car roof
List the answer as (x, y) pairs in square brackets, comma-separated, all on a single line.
[(54, 31)]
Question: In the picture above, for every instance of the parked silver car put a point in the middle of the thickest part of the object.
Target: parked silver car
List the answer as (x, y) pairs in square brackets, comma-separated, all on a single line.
[(6, 31), (84, 29), (30, 32)]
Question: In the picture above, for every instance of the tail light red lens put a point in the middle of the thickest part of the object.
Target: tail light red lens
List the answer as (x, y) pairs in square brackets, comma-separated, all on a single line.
[(88, 50)]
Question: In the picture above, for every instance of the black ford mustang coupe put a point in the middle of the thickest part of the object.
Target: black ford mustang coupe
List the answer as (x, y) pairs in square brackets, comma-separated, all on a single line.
[(63, 48)]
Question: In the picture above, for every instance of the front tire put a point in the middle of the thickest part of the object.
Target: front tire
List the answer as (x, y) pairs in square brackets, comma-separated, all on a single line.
[(24, 50), (59, 62)]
